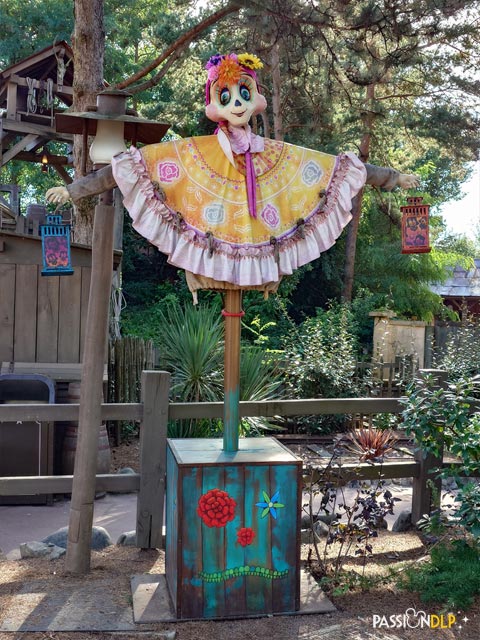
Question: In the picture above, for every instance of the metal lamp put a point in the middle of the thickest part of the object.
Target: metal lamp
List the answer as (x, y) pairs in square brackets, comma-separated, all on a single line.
[(111, 122), (415, 226)]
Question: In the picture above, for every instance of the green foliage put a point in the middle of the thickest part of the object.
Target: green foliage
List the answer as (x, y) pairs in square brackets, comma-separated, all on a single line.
[(443, 416), (320, 359), (460, 356), (190, 342), (450, 578), (260, 379)]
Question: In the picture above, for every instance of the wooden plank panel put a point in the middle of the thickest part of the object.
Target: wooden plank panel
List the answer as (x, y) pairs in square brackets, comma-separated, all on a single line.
[(213, 549), (25, 338), (190, 598), (285, 550), (69, 317), (258, 554), (235, 594), (47, 319), (86, 274), (7, 307)]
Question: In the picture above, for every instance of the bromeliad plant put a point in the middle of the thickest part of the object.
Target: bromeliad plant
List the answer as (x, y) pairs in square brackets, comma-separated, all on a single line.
[(369, 444)]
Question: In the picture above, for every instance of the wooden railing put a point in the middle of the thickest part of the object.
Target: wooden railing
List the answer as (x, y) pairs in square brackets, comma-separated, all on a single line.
[(155, 411)]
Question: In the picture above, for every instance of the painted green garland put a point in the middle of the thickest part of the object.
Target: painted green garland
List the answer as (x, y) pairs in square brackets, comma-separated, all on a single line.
[(239, 572)]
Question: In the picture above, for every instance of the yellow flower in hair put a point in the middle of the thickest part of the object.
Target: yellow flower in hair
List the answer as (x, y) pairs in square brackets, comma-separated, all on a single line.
[(250, 61)]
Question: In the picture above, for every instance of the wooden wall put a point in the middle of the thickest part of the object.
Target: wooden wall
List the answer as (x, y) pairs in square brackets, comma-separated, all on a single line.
[(42, 318)]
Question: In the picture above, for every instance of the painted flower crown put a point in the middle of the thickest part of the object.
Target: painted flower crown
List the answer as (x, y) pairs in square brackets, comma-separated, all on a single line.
[(228, 68)]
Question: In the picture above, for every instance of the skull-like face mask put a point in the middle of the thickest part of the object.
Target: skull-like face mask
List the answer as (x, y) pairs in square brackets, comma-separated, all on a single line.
[(232, 92)]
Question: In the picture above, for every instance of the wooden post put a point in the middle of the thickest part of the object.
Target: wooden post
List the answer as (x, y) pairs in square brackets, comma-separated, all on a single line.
[(231, 416), (83, 488), (153, 452), (424, 497)]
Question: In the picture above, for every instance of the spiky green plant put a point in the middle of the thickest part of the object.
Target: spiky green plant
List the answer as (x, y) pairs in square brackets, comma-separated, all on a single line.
[(190, 342)]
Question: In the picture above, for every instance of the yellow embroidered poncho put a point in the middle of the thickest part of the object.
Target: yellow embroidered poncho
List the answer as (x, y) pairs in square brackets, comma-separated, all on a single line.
[(190, 200)]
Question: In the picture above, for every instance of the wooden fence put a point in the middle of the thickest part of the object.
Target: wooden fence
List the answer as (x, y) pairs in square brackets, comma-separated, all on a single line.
[(154, 411)]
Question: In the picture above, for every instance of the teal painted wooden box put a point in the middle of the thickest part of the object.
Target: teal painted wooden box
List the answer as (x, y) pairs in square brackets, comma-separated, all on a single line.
[(233, 525)]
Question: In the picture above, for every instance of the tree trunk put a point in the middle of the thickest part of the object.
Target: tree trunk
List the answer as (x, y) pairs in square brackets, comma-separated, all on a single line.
[(276, 92), (368, 118), (88, 49)]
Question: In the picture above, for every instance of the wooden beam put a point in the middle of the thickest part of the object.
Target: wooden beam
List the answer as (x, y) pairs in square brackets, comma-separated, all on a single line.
[(41, 485), (62, 173), (77, 560), (153, 458), (37, 58), (20, 146), (231, 386), (347, 472), (28, 156), (22, 127), (66, 412), (11, 101), (22, 82), (271, 408)]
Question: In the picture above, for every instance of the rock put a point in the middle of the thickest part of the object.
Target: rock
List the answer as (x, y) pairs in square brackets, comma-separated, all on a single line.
[(100, 538), (306, 536), (321, 529), (128, 539), (403, 522), (3, 557), (56, 552), (37, 549), (327, 518), (127, 471), (381, 524)]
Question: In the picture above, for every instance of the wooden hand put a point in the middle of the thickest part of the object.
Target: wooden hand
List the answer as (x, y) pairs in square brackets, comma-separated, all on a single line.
[(57, 195)]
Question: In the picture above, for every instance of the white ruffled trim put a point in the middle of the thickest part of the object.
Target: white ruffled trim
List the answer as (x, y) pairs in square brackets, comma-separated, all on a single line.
[(246, 265)]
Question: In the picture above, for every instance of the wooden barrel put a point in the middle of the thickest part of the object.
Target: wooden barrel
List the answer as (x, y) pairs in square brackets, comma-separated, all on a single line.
[(70, 439)]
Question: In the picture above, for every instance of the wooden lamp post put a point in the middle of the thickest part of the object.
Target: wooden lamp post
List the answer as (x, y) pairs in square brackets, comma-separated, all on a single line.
[(111, 122)]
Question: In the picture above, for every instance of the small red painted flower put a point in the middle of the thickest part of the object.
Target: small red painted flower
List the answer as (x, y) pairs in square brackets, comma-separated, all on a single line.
[(245, 536), (216, 508)]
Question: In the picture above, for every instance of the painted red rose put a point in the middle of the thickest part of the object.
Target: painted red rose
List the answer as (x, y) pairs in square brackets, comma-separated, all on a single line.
[(245, 536), (216, 508)]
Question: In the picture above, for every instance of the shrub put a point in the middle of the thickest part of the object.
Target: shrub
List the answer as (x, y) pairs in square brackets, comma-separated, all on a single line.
[(451, 577), (321, 361)]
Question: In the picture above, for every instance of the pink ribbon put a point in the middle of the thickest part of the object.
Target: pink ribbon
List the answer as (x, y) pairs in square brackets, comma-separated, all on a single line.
[(251, 185)]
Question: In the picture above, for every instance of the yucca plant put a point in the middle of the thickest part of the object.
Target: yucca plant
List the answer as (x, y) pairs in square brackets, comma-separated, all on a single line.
[(190, 342), (369, 443)]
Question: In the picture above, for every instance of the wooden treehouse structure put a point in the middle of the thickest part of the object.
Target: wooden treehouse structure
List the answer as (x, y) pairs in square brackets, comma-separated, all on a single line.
[(42, 319), (32, 91)]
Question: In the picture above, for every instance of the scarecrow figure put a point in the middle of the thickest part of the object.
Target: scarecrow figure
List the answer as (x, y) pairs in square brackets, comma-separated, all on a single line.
[(234, 209)]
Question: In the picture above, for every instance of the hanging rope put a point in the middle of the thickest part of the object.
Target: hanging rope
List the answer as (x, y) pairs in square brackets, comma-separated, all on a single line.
[(49, 96), (31, 98)]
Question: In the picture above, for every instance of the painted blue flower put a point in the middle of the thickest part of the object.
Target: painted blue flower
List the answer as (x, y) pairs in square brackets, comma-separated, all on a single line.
[(270, 505)]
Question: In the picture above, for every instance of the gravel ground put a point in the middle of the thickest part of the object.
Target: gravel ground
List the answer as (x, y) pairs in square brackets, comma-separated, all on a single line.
[(353, 619)]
